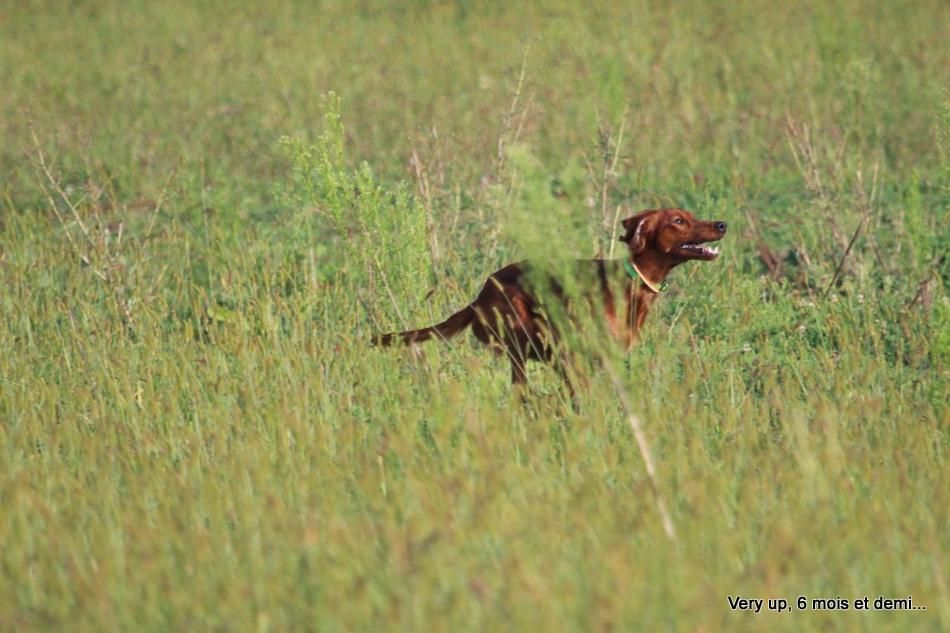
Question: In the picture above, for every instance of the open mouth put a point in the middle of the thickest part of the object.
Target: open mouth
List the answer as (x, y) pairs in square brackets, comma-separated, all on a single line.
[(697, 250)]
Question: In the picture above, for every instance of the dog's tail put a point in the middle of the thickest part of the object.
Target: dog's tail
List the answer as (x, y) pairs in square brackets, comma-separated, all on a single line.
[(445, 330)]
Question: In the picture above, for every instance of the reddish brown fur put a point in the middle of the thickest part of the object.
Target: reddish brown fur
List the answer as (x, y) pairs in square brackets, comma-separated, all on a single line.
[(505, 314)]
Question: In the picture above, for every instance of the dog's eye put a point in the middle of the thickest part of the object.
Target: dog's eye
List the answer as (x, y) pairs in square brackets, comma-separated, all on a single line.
[(678, 221)]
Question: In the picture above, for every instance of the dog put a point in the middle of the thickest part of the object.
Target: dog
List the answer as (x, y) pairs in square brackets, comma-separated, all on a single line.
[(508, 313)]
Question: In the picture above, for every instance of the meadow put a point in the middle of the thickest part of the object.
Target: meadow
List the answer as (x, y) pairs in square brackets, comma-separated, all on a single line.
[(208, 209)]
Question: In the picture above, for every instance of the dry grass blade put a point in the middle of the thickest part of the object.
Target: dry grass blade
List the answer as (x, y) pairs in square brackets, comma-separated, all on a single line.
[(868, 199), (644, 447)]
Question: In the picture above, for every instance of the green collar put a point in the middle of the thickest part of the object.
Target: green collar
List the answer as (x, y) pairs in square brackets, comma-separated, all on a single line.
[(635, 274)]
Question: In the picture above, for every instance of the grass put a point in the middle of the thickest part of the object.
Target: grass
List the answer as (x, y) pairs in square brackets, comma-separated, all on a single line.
[(196, 436)]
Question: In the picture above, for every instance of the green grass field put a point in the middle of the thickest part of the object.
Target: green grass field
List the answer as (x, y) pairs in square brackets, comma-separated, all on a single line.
[(207, 209)]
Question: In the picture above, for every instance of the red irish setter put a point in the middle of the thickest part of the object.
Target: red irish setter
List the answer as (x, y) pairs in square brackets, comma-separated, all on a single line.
[(506, 313)]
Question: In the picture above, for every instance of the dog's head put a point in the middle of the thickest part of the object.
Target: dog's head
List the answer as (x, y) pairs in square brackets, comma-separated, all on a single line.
[(672, 234)]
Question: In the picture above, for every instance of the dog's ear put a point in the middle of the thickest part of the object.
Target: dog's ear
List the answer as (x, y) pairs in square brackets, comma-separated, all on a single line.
[(638, 230)]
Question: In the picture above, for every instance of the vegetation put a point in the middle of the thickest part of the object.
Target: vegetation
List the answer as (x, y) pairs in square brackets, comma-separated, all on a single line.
[(207, 209)]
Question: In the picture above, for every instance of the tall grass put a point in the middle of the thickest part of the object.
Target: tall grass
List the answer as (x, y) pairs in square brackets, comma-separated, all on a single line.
[(195, 434)]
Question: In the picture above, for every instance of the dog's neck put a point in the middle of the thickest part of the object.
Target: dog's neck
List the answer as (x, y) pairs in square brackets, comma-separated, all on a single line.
[(652, 270)]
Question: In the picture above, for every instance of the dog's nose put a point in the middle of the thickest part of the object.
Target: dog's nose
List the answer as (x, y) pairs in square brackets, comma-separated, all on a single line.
[(720, 226)]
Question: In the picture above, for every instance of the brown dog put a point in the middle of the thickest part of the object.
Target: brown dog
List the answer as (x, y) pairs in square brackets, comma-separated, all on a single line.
[(506, 312)]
